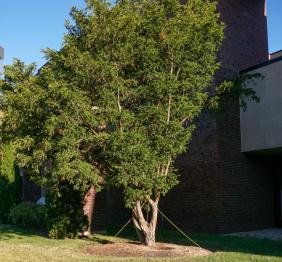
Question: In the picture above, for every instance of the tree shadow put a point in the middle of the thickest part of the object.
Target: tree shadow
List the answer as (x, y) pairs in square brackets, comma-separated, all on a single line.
[(96, 239), (214, 243), (220, 243), (8, 232), (102, 241)]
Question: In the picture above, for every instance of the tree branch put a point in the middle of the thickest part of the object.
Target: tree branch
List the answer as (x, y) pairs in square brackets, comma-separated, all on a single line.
[(118, 101), (154, 206), (177, 74), (139, 214), (167, 167), (171, 68), (183, 121), (169, 109)]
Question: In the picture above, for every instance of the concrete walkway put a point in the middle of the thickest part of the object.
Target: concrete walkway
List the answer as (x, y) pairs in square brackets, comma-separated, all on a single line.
[(271, 234)]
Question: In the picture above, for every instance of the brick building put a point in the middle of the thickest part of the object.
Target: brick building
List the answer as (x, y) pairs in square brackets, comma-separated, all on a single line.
[(223, 188)]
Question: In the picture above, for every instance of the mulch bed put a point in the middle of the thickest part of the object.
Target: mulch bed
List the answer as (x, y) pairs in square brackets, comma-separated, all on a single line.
[(161, 250)]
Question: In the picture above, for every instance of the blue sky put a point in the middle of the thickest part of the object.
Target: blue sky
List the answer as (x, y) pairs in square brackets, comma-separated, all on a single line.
[(28, 26)]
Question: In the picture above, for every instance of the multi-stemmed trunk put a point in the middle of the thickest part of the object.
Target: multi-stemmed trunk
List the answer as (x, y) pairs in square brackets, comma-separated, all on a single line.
[(146, 227)]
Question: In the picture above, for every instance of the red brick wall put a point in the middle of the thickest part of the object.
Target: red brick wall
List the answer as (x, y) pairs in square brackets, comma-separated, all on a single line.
[(89, 203)]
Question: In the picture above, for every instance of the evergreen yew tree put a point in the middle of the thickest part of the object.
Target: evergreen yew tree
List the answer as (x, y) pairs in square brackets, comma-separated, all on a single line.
[(48, 121), (147, 67)]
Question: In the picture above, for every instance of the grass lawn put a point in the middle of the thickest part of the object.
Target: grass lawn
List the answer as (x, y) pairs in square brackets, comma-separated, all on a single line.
[(21, 245)]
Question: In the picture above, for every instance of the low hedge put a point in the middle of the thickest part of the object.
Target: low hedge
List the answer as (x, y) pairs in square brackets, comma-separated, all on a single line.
[(28, 215)]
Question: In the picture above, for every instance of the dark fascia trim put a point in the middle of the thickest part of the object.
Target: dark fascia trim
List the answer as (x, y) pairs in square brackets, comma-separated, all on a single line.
[(269, 62), (276, 52)]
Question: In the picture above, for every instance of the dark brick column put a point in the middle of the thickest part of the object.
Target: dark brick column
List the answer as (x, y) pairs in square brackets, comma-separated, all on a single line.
[(89, 203), (246, 182)]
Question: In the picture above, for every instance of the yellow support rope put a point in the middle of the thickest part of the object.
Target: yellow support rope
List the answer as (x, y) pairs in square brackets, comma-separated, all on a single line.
[(190, 239), (182, 232), (123, 227)]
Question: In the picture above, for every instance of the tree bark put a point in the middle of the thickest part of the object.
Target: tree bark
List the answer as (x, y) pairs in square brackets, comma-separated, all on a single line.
[(146, 230), (89, 201)]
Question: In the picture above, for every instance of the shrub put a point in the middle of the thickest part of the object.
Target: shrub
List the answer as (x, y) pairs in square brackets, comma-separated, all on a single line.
[(28, 215), (65, 211), (9, 182), (62, 227)]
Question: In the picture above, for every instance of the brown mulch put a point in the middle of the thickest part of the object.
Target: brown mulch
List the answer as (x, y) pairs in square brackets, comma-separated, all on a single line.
[(161, 250)]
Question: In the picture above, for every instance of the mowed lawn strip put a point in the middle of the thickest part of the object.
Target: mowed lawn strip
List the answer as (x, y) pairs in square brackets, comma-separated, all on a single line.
[(23, 245)]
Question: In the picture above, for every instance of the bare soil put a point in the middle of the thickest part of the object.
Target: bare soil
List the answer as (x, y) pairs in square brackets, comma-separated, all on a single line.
[(161, 250)]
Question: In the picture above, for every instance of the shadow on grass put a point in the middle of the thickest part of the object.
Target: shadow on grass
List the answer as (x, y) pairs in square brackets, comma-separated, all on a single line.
[(8, 232), (97, 239), (214, 243)]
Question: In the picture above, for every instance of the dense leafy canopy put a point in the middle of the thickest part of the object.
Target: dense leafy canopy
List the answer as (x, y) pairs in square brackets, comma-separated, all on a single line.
[(130, 80), (119, 100), (147, 65), (46, 120)]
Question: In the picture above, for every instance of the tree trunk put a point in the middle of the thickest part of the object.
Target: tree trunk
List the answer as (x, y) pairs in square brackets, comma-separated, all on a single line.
[(89, 201), (146, 230)]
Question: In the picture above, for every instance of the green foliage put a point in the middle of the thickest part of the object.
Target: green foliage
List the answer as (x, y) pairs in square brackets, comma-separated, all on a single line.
[(49, 123), (147, 67), (65, 212), (9, 182), (119, 99), (28, 215), (61, 228), (230, 91), (7, 166)]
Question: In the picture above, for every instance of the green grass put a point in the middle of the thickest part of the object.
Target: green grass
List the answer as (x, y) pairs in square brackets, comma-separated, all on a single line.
[(22, 245)]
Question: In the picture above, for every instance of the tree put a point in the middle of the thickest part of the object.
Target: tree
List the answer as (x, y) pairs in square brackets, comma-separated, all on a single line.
[(147, 67), (47, 122)]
